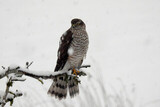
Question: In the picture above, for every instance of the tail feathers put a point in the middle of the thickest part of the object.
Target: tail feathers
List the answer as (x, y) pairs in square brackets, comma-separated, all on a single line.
[(73, 87), (58, 88)]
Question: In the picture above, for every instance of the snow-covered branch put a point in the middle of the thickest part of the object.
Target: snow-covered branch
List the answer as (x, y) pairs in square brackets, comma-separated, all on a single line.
[(15, 73), (19, 71), (8, 96)]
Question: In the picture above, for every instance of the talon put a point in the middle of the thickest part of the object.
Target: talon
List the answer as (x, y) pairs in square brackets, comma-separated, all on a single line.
[(75, 72)]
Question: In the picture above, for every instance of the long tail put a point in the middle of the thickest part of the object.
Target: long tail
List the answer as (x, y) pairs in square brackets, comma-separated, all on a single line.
[(73, 87), (59, 88)]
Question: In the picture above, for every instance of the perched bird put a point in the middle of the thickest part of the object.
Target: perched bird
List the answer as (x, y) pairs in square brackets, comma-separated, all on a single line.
[(72, 50)]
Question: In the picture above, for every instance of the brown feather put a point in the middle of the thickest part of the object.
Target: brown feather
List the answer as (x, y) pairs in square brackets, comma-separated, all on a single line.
[(66, 40)]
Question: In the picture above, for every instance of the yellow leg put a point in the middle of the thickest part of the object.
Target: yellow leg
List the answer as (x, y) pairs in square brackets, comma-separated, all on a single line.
[(75, 72)]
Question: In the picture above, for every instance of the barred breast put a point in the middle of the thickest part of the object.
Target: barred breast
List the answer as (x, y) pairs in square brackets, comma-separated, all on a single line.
[(79, 47)]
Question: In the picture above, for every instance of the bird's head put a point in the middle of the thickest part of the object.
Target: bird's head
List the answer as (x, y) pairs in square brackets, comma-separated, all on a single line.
[(77, 24)]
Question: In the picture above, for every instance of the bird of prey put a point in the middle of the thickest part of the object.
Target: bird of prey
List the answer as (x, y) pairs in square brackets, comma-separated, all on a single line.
[(72, 50)]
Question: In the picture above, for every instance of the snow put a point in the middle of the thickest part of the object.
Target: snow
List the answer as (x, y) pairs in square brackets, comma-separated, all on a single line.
[(44, 73), (124, 49), (9, 96), (2, 72), (13, 66), (1, 95), (12, 75), (16, 77)]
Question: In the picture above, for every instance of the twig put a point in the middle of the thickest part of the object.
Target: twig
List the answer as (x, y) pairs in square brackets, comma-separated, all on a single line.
[(3, 67), (85, 66), (9, 83), (28, 64)]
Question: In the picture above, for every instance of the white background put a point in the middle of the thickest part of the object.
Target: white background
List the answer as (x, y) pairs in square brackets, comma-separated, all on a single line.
[(124, 49)]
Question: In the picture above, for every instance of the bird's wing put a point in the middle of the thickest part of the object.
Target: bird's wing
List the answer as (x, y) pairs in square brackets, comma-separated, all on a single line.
[(64, 45)]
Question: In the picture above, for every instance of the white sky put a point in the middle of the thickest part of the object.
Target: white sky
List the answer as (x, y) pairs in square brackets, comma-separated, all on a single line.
[(124, 39)]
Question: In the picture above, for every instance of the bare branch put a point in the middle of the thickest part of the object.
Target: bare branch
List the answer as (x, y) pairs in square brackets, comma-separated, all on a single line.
[(3, 67), (9, 83), (28, 64)]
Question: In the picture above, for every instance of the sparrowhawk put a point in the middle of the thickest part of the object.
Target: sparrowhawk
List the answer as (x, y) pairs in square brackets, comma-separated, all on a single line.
[(72, 50)]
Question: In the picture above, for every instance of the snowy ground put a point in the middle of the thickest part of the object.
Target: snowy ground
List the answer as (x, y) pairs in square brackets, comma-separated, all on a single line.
[(124, 49)]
